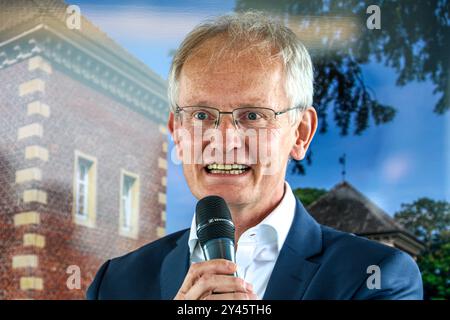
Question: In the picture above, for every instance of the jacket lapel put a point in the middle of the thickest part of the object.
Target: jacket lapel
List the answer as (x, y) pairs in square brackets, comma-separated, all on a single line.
[(174, 268), (293, 271)]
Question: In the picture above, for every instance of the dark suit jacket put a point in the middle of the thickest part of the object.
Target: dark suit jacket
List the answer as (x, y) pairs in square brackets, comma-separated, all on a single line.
[(315, 262)]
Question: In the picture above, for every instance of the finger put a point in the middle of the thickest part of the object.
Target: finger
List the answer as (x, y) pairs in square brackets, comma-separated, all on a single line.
[(197, 270), (211, 283), (232, 296)]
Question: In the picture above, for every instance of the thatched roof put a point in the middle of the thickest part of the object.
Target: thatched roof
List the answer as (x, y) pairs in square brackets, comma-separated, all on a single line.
[(345, 208)]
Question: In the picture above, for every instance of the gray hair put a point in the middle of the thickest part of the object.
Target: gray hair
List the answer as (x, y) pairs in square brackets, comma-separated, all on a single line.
[(262, 30)]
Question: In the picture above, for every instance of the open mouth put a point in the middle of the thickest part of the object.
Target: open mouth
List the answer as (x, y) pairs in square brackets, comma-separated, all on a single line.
[(231, 169)]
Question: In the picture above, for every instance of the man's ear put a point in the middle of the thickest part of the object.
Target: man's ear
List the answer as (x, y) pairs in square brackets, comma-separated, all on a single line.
[(171, 125), (304, 133)]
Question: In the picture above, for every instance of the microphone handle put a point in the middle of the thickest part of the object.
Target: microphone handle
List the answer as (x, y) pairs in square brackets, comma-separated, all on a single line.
[(220, 248)]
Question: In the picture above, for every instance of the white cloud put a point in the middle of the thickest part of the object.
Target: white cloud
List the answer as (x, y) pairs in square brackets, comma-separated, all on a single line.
[(396, 167)]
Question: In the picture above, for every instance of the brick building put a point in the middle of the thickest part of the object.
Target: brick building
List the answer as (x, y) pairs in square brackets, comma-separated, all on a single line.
[(82, 151)]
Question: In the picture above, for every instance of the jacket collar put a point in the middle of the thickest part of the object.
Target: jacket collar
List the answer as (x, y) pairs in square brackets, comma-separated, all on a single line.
[(174, 268), (293, 270)]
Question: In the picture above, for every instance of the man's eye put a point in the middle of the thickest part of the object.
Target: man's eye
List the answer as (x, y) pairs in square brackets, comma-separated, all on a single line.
[(252, 116), (201, 115)]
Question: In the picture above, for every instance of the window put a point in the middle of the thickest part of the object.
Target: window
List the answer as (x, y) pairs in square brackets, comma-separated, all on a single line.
[(84, 189), (129, 204), (127, 201)]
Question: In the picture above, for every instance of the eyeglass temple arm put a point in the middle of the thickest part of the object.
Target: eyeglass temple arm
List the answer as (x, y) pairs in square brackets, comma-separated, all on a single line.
[(277, 113)]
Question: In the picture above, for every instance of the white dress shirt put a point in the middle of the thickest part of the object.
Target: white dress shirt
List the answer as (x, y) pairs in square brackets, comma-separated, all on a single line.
[(258, 247)]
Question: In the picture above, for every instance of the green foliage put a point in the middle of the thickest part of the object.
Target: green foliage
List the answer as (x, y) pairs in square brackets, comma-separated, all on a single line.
[(308, 195), (435, 268), (429, 221)]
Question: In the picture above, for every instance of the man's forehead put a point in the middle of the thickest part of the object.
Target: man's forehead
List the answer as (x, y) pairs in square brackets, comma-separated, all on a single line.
[(208, 90), (216, 57), (223, 70), (233, 78), (245, 72)]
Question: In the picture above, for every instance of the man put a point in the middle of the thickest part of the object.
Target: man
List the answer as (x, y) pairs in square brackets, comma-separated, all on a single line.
[(245, 76)]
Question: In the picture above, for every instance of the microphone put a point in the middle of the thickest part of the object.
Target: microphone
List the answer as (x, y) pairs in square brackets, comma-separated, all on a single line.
[(215, 229)]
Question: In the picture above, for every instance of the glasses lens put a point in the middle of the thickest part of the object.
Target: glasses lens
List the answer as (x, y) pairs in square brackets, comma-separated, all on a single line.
[(199, 117), (253, 117)]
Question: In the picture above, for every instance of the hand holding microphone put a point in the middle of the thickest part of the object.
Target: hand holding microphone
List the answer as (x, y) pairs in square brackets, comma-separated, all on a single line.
[(216, 278)]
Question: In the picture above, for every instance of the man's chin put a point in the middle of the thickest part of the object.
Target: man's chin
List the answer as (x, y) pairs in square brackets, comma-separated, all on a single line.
[(233, 195)]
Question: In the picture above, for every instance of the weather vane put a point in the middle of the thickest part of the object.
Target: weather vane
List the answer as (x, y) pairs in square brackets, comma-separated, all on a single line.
[(342, 161)]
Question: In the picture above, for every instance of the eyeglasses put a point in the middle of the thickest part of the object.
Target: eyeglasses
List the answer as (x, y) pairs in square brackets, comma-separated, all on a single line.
[(243, 118)]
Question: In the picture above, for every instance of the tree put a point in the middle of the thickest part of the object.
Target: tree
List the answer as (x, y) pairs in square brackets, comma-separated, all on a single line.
[(414, 39), (435, 268), (309, 195), (429, 221)]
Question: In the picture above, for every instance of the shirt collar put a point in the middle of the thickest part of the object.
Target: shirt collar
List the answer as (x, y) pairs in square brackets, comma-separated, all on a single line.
[(275, 225)]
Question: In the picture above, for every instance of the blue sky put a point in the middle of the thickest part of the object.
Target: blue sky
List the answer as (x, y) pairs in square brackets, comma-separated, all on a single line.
[(391, 164)]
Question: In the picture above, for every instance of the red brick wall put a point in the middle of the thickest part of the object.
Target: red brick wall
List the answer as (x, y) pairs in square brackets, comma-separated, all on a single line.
[(81, 118), (12, 116)]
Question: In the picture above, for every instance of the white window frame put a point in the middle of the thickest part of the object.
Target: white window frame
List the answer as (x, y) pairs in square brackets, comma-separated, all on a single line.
[(127, 203), (89, 181), (131, 230), (85, 183)]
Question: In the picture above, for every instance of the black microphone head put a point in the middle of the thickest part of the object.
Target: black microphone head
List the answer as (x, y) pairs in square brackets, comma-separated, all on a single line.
[(213, 219)]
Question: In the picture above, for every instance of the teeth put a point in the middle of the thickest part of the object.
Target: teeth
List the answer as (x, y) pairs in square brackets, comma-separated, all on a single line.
[(228, 167), (228, 171)]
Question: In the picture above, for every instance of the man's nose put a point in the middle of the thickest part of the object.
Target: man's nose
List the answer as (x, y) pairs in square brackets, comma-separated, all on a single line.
[(230, 134)]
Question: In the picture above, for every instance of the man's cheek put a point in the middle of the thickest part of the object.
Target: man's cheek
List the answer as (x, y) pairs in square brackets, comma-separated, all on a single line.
[(269, 151), (189, 147)]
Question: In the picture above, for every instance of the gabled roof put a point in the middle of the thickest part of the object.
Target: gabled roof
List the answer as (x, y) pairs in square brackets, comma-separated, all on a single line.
[(345, 208)]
